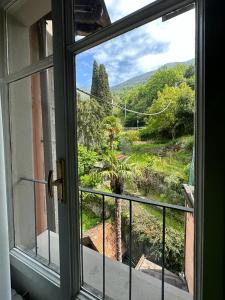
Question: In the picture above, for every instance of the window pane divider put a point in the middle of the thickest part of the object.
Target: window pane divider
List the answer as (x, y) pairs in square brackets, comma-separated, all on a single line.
[(30, 70)]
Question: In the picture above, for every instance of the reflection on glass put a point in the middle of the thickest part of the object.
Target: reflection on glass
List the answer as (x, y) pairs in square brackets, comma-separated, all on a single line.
[(32, 118), (91, 16), (29, 30)]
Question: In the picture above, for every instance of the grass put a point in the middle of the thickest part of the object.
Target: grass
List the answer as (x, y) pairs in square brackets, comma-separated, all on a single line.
[(173, 219), (170, 163), (90, 220)]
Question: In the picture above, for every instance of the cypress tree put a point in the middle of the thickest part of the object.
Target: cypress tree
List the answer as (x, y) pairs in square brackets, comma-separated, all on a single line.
[(100, 88), (104, 90), (95, 79)]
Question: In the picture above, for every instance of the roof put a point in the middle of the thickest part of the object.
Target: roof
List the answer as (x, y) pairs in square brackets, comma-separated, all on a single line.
[(155, 270), (90, 16), (93, 239)]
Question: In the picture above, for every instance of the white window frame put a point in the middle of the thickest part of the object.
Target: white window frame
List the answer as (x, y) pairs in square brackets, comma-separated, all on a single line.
[(65, 49)]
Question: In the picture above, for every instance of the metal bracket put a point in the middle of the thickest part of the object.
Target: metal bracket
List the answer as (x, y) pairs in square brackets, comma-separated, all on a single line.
[(59, 182)]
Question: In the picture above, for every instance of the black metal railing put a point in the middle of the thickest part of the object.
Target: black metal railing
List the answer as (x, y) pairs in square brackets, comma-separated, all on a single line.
[(131, 199), (45, 261)]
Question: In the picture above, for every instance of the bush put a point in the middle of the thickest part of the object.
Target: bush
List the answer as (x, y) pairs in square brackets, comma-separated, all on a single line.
[(92, 180), (145, 134), (132, 135), (147, 239), (150, 182), (127, 138), (86, 160)]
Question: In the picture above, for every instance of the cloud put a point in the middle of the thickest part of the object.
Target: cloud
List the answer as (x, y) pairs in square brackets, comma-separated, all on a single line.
[(142, 49), (121, 54), (118, 9)]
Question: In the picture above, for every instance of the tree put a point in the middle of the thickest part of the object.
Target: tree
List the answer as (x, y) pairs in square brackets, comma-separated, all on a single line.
[(170, 123), (100, 88), (89, 119), (95, 80), (104, 90), (112, 127), (190, 76), (140, 97), (117, 171)]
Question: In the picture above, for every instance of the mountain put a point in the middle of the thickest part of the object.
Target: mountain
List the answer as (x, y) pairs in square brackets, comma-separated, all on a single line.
[(145, 77)]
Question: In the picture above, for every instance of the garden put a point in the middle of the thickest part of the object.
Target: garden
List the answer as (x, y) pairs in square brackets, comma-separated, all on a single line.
[(145, 152)]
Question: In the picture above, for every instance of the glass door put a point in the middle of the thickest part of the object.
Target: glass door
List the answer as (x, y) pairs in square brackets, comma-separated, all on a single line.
[(39, 152)]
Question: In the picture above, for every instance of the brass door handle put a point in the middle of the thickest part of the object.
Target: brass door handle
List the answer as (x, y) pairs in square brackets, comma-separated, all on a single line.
[(59, 182)]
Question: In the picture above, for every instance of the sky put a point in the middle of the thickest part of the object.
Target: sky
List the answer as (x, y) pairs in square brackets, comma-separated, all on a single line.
[(141, 50)]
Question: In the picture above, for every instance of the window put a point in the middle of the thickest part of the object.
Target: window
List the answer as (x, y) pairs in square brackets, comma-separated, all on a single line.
[(31, 63), (129, 91), (33, 147), (29, 28)]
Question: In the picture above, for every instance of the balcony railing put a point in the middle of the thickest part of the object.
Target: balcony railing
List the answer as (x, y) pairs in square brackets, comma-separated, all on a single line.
[(46, 249), (163, 207), (44, 245)]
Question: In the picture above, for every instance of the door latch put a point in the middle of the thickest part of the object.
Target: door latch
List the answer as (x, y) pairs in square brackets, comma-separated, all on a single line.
[(59, 182)]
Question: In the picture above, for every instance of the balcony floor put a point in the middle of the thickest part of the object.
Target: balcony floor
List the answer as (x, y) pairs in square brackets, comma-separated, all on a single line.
[(144, 286)]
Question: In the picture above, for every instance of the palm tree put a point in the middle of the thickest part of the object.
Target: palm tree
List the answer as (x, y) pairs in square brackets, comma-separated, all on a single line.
[(112, 127), (117, 170)]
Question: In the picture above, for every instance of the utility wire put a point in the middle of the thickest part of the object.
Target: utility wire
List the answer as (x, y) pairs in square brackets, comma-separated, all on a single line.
[(124, 108)]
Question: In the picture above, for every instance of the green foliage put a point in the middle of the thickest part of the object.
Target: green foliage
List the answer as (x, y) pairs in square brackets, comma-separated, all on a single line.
[(112, 128), (190, 72), (86, 160), (90, 181), (127, 138), (100, 88), (178, 117), (147, 233), (89, 219), (117, 171), (95, 79), (89, 119), (145, 134), (140, 97), (132, 135), (190, 76)]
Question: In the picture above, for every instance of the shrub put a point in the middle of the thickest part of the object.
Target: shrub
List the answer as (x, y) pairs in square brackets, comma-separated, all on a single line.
[(132, 135), (147, 239), (145, 134), (91, 180), (149, 181), (86, 160), (127, 138)]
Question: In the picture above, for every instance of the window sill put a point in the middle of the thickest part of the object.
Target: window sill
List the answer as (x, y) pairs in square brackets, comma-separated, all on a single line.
[(17, 257)]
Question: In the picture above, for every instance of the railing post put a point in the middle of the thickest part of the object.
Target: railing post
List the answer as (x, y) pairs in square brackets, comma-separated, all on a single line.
[(81, 238), (35, 217), (103, 224), (130, 251), (163, 252)]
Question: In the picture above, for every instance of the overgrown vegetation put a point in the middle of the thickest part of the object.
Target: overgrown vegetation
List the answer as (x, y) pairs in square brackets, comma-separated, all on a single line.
[(159, 155)]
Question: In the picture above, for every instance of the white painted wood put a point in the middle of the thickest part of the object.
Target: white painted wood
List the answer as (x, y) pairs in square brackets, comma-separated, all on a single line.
[(5, 285)]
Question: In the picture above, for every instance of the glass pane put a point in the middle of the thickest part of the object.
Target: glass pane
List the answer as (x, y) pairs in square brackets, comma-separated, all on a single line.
[(91, 16), (29, 26), (135, 112), (33, 141)]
